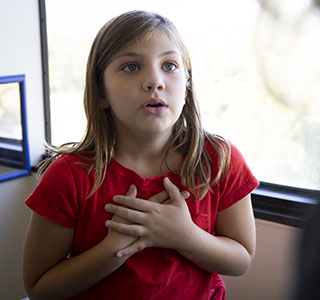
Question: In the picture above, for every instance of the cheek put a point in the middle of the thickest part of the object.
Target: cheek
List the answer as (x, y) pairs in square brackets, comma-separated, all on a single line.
[(178, 84), (181, 92), (113, 96), (180, 101)]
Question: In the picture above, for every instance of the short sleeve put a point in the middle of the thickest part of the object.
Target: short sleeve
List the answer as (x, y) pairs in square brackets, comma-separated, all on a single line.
[(239, 182), (55, 197)]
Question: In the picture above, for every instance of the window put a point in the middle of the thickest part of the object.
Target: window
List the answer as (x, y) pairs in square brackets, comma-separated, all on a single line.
[(14, 153), (244, 86), (10, 122)]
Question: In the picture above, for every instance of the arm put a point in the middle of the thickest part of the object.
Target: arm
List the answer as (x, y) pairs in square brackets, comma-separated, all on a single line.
[(49, 274), (231, 251), (171, 226)]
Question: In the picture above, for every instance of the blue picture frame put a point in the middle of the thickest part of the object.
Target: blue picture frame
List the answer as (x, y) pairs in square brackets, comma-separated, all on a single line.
[(26, 169)]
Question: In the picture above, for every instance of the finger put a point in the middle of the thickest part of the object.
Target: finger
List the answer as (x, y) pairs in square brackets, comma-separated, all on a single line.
[(163, 197), (172, 190), (185, 194), (134, 203), (126, 213), (132, 191), (160, 197), (135, 230), (134, 248)]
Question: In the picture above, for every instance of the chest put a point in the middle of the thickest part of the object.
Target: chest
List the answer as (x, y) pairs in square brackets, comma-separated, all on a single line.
[(90, 228)]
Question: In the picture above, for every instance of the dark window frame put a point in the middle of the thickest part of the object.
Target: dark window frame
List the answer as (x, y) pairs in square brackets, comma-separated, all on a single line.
[(284, 204), (272, 202)]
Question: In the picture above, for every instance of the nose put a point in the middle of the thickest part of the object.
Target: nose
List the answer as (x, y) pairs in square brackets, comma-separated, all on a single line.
[(153, 82)]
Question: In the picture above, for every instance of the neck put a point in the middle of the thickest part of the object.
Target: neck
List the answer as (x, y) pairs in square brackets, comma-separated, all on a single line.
[(146, 155)]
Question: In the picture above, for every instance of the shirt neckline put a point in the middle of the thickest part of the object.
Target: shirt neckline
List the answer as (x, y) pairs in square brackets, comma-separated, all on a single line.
[(115, 165)]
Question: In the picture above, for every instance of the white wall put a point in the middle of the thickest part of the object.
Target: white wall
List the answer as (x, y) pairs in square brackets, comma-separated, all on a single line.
[(19, 54), (14, 219), (269, 277)]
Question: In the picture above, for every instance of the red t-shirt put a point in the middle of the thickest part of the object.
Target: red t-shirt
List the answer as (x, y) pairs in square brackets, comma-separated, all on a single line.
[(154, 273)]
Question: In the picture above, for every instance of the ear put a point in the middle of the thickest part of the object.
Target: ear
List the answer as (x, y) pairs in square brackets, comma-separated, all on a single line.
[(104, 103)]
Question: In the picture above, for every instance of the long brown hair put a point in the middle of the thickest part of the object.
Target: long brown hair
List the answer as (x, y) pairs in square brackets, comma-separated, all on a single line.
[(189, 138)]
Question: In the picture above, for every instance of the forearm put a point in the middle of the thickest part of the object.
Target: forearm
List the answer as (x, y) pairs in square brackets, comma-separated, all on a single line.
[(216, 254), (73, 276)]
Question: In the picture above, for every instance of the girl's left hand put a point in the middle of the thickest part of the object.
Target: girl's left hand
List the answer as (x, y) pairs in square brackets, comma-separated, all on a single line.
[(157, 225)]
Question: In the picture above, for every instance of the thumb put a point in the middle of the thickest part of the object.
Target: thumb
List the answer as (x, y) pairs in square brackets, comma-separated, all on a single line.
[(173, 191), (132, 191)]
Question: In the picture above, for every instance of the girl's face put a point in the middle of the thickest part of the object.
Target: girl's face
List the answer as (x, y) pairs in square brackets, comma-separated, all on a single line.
[(145, 86)]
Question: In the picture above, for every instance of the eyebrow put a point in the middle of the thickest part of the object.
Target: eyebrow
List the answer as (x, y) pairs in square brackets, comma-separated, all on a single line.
[(137, 55)]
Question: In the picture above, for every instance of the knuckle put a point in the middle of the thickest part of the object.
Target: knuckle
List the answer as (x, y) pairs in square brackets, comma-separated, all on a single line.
[(175, 192), (126, 213), (141, 232), (135, 201), (156, 211), (139, 247), (175, 188), (133, 230)]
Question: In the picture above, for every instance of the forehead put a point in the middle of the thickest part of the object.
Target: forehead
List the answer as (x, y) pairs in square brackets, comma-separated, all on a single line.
[(157, 39)]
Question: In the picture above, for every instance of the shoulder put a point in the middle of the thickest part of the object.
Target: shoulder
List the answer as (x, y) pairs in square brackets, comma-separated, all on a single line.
[(66, 163), (239, 180), (65, 171), (61, 191)]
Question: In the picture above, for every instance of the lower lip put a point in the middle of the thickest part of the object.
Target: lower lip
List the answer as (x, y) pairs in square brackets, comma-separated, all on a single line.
[(154, 110)]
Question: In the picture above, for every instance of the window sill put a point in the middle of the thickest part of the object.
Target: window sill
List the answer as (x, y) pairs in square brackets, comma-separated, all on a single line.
[(284, 205), (13, 175)]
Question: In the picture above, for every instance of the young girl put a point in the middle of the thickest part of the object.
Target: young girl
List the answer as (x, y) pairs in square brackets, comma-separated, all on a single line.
[(148, 205)]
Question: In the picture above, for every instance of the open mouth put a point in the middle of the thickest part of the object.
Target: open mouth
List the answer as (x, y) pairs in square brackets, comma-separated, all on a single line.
[(155, 102), (154, 105)]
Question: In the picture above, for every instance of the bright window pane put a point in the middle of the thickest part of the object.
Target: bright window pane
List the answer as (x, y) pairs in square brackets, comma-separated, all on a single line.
[(10, 116), (246, 65)]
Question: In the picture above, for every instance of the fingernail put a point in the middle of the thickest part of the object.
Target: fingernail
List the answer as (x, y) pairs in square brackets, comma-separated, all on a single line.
[(185, 194), (108, 207), (122, 254), (133, 189)]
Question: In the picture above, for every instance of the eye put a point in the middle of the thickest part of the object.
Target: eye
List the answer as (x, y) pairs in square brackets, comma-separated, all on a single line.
[(169, 66), (132, 67)]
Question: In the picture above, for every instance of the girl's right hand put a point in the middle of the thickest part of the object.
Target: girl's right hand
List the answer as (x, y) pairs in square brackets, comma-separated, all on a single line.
[(161, 197), (156, 220), (122, 240)]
